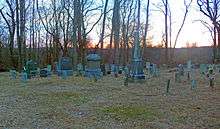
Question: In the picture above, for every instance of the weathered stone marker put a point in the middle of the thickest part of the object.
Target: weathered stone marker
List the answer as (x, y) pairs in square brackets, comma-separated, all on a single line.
[(93, 69), (31, 69), (211, 76), (64, 64), (13, 74), (193, 84), (24, 76)]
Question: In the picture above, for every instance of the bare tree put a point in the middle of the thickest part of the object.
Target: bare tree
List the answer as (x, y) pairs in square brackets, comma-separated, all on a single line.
[(210, 8), (10, 21), (187, 6), (146, 26)]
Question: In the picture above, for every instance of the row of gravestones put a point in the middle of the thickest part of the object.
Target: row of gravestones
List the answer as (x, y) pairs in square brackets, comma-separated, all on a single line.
[(31, 70), (64, 68), (205, 69)]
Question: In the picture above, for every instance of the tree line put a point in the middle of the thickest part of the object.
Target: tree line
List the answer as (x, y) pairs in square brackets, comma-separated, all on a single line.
[(49, 29)]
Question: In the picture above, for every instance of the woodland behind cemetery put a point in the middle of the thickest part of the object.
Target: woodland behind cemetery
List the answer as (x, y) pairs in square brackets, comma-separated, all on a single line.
[(44, 31)]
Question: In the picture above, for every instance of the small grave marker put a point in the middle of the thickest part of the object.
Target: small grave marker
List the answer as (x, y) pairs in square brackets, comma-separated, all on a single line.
[(24, 76), (13, 74), (193, 84), (64, 74)]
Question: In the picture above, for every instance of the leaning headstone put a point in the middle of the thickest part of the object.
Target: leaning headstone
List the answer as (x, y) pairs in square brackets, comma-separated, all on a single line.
[(93, 69), (13, 74), (168, 86)]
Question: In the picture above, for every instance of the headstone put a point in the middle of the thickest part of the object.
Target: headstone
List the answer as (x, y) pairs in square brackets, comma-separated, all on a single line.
[(203, 68), (43, 73), (49, 70), (103, 69), (211, 76), (13, 74), (120, 70), (64, 64), (24, 76), (79, 69), (64, 74), (31, 69), (181, 69), (108, 68), (193, 84), (168, 86), (93, 69)]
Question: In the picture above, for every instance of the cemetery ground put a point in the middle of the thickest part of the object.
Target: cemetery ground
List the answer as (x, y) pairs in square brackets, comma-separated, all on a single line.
[(82, 103)]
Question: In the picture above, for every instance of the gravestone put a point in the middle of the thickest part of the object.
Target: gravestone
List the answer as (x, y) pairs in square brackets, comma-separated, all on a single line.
[(46, 72), (80, 69), (64, 64), (203, 68), (31, 69), (193, 84), (189, 66), (13, 74), (24, 76), (103, 69), (181, 69), (108, 68), (211, 76), (93, 69), (137, 70)]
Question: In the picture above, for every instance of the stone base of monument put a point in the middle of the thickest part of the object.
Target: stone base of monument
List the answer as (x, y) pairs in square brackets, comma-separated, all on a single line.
[(91, 73), (137, 69), (68, 72)]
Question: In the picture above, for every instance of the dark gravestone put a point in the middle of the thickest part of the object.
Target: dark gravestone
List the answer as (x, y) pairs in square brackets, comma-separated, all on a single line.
[(120, 70), (64, 64), (31, 69), (103, 69)]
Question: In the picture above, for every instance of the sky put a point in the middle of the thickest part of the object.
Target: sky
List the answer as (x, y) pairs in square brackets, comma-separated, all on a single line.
[(192, 31)]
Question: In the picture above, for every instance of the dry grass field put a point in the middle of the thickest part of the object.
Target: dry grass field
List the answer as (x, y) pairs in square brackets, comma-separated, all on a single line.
[(81, 103)]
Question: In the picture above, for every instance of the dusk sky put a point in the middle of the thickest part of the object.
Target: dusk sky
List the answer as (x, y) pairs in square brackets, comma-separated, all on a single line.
[(193, 30)]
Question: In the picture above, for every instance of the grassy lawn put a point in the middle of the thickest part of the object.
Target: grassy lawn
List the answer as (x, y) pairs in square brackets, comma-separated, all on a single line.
[(79, 102)]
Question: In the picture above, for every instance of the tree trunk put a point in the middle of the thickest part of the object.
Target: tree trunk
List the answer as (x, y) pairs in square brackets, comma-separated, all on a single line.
[(22, 29), (214, 44), (166, 31), (146, 28), (18, 36), (103, 27)]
